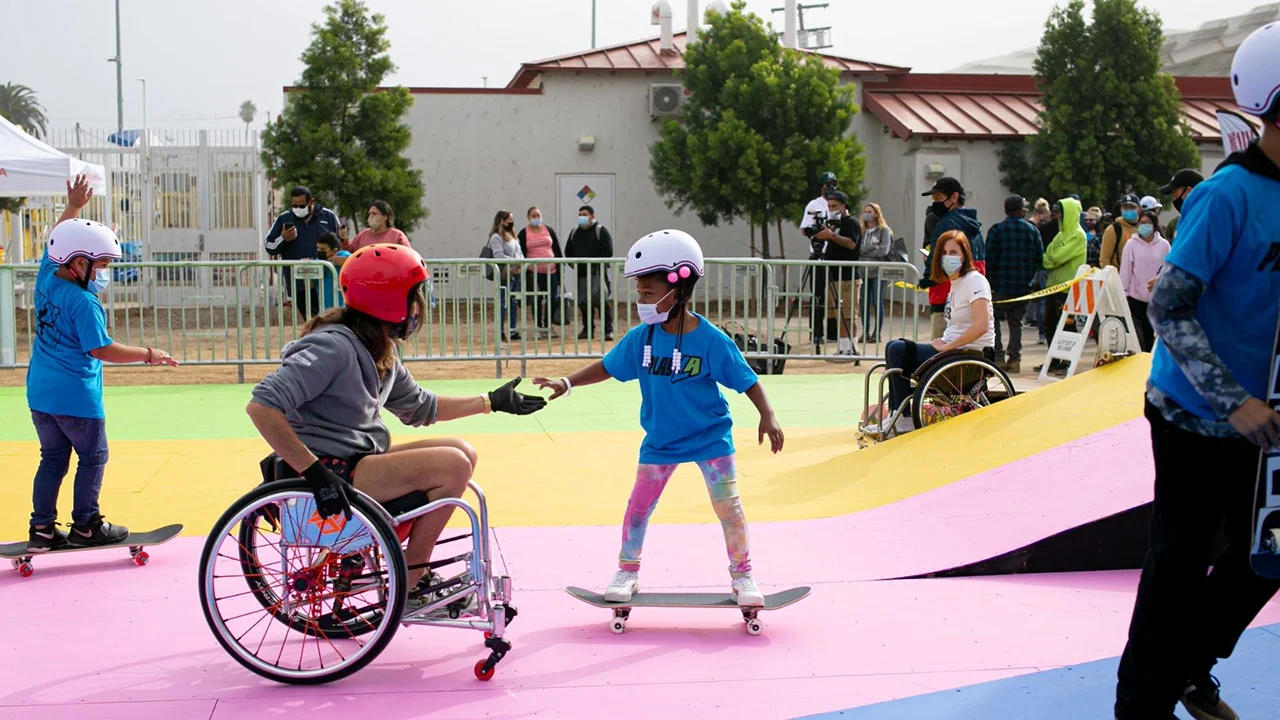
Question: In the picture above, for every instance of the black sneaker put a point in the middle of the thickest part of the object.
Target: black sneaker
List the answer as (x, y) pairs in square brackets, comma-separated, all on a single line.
[(1204, 702), (96, 532), (45, 538)]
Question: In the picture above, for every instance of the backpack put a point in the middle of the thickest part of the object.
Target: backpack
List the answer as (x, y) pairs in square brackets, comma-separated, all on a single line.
[(486, 252)]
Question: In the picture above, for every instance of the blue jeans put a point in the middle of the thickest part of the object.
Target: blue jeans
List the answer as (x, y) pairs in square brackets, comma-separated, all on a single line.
[(59, 435), (895, 356), (872, 307), (508, 305)]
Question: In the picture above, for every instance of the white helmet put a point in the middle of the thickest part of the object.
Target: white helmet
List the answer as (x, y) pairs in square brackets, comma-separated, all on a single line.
[(82, 238), (1149, 203), (669, 250), (1255, 71)]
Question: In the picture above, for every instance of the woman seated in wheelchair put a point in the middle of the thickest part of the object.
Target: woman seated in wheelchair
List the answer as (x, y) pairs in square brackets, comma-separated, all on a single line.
[(320, 410), (970, 326)]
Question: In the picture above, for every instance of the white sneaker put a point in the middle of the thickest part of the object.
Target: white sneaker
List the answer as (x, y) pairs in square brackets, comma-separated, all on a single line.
[(879, 429), (904, 425), (746, 593), (625, 584)]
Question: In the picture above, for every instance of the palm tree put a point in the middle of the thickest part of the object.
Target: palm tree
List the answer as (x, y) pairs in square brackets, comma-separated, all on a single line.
[(18, 104)]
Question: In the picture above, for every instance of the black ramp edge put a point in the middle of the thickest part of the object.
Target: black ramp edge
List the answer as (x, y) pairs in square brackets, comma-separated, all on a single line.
[(1114, 542)]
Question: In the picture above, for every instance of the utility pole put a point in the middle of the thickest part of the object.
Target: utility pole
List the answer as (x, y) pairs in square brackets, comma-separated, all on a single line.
[(119, 77), (593, 24)]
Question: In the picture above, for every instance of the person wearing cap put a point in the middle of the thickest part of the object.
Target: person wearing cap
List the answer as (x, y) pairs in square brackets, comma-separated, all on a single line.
[(1115, 236), (64, 382), (1215, 309), (948, 205), (1014, 255), (816, 211), (815, 216), (1178, 189)]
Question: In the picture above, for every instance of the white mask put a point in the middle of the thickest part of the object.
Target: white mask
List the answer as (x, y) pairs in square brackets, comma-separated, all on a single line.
[(301, 212), (649, 314)]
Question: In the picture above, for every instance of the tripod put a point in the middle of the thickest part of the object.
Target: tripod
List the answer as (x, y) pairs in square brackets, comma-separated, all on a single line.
[(819, 314)]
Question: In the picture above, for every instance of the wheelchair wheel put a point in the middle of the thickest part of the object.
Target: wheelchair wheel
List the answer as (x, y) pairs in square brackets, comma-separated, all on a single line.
[(957, 386), (298, 599)]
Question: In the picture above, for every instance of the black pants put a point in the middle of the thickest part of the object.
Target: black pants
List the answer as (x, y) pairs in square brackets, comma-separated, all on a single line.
[(1052, 314), (1187, 616), (1010, 314), (1141, 325)]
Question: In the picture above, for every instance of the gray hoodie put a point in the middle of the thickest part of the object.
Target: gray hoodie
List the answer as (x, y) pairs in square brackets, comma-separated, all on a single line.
[(329, 389)]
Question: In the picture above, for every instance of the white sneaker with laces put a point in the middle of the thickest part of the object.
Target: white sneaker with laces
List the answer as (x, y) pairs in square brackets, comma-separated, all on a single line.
[(879, 429), (904, 425), (745, 592), (625, 584)]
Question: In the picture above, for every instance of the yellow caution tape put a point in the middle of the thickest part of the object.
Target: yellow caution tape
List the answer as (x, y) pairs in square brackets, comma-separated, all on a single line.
[(1037, 294)]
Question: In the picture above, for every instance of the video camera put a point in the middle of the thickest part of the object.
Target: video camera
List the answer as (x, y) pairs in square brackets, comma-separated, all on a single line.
[(821, 221)]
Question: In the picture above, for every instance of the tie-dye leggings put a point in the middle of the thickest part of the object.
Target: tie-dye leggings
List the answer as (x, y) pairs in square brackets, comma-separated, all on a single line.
[(721, 475)]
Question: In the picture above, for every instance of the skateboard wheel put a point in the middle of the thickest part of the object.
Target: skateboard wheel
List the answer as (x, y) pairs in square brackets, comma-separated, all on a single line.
[(618, 626), (482, 673), (142, 558), (754, 627), (25, 569), (487, 634)]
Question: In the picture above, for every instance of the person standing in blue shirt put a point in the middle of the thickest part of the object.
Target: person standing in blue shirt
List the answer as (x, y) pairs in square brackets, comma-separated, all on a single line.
[(680, 359), (1214, 309), (64, 382), (329, 249)]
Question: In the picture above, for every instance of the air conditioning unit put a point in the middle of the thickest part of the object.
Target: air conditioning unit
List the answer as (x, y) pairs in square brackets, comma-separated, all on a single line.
[(665, 99)]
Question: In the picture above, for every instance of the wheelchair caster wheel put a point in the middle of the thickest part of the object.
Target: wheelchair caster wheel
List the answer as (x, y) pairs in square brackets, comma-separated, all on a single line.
[(754, 627), (618, 626), (482, 672)]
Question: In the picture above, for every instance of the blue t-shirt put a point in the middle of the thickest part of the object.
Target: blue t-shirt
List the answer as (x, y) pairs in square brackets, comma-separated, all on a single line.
[(685, 417), (64, 379), (1229, 238), (331, 297)]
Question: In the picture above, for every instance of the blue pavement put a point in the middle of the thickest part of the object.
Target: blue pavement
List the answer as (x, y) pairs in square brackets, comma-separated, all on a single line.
[(1250, 683)]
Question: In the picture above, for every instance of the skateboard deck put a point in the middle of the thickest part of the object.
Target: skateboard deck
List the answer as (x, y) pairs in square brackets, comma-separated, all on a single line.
[(1264, 554), (21, 558), (622, 610)]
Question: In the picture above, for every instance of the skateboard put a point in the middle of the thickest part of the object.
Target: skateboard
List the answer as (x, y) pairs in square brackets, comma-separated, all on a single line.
[(1113, 337), (1107, 358), (20, 557), (622, 610), (1265, 553)]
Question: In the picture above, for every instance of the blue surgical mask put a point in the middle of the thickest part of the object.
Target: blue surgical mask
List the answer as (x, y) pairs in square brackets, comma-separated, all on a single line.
[(951, 264), (1130, 216), (649, 314), (1146, 230), (583, 220), (101, 279), (536, 222)]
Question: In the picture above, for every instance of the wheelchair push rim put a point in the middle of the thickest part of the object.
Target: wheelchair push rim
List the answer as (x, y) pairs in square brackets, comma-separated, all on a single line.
[(300, 599), (957, 387)]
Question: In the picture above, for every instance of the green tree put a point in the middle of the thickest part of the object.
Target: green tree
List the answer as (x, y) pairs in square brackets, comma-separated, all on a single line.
[(1111, 121), (338, 134), (18, 104), (759, 125)]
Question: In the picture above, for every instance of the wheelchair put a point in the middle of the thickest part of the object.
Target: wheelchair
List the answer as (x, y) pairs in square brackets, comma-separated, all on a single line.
[(304, 600), (944, 386)]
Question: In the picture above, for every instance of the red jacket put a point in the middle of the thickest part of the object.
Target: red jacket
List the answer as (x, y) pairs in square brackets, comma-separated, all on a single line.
[(938, 293)]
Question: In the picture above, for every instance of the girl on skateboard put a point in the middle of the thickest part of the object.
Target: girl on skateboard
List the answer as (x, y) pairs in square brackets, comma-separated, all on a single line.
[(679, 359), (64, 383)]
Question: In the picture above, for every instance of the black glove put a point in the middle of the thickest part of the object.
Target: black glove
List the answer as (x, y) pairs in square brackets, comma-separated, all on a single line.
[(329, 490), (506, 399)]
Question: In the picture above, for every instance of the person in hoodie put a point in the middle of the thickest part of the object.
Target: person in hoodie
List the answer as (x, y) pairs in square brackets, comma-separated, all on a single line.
[(1124, 227), (320, 411), (1143, 256), (1215, 308), (1066, 252), (948, 205)]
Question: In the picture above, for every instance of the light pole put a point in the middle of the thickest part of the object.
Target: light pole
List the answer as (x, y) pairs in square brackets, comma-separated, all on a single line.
[(119, 77), (593, 24), (148, 196), (144, 107)]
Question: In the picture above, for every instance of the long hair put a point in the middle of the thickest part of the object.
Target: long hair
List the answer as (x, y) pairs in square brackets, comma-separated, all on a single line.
[(936, 273), (377, 336), (498, 223), (386, 210), (880, 223)]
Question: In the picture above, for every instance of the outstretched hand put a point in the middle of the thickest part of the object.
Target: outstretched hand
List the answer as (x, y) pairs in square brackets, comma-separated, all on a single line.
[(79, 192), (506, 399), (558, 387)]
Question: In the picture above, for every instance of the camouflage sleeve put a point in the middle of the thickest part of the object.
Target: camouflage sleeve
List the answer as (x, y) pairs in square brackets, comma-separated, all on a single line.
[(1172, 314)]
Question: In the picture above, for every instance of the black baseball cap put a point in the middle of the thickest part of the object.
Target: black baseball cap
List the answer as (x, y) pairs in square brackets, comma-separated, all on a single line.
[(840, 197), (1183, 178), (827, 177), (1129, 199), (948, 185), (1014, 203)]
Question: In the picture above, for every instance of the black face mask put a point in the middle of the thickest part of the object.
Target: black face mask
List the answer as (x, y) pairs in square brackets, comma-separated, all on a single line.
[(827, 190), (1177, 204), (940, 209)]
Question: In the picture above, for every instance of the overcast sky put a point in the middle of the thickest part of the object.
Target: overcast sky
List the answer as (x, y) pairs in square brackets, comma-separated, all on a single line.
[(202, 59)]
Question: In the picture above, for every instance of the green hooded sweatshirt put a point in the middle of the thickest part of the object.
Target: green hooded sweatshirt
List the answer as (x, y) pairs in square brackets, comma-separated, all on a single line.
[(1069, 249)]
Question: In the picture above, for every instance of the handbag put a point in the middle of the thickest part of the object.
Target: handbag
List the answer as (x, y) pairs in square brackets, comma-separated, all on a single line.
[(748, 342)]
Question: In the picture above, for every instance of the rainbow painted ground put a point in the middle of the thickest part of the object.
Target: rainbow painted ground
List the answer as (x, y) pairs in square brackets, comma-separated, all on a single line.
[(90, 632)]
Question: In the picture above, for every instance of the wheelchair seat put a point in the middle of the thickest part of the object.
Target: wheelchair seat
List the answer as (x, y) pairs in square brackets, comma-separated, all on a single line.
[(275, 468)]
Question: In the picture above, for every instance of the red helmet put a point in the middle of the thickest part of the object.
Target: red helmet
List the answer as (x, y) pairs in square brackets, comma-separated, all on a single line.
[(379, 280)]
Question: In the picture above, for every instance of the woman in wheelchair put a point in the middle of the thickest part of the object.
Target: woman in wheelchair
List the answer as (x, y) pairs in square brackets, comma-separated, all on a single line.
[(970, 327), (320, 410)]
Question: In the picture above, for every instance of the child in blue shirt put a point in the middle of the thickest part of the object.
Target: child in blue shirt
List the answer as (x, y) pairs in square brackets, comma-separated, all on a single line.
[(329, 247), (64, 382), (679, 359)]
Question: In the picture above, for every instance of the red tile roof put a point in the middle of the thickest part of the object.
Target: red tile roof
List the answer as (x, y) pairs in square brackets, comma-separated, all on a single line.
[(994, 107), (646, 56)]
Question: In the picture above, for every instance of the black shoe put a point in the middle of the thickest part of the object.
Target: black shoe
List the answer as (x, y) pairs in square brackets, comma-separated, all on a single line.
[(45, 538), (1204, 702), (608, 336), (96, 532), (515, 335)]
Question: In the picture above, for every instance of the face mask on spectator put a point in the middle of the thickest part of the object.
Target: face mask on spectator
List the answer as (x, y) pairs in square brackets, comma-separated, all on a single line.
[(583, 220), (1146, 230), (536, 222), (301, 211), (868, 218), (1130, 216)]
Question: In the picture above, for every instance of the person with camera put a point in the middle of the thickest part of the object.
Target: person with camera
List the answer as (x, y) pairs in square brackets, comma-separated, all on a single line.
[(843, 239)]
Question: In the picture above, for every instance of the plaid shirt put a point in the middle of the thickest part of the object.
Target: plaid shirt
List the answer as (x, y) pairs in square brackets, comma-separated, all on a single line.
[(1014, 254)]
